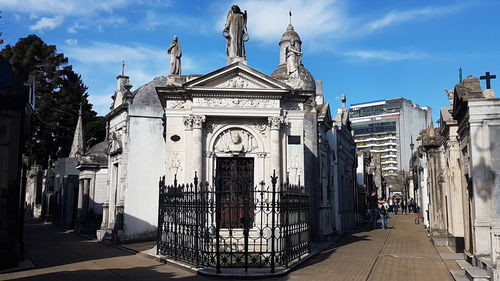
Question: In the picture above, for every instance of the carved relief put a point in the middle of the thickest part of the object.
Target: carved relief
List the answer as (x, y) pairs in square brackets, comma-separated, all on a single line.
[(175, 163), (294, 170), (261, 154), (115, 142), (210, 126), (236, 102), (235, 141), (198, 121), (188, 122), (262, 128), (194, 122), (275, 122), (237, 80), (175, 104)]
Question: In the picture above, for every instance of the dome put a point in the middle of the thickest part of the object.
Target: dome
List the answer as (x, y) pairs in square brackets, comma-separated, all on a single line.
[(290, 35), (146, 94), (305, 81)]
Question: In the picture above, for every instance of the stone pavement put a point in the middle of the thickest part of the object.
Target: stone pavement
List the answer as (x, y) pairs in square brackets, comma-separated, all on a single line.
[(401, 253)]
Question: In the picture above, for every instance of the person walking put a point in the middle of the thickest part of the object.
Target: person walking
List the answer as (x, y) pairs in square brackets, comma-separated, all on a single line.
[(403, 207), (373, 209), (396, 206), (383, 212), (391, 206)]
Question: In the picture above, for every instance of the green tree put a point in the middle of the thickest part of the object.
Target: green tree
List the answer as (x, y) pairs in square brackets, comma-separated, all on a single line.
[(59, 90)]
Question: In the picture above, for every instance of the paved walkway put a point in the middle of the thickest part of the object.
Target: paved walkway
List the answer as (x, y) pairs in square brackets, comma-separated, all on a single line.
[(402, 253)]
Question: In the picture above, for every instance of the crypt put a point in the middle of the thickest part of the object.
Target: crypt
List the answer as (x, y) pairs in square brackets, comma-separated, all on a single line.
[(233, 125)]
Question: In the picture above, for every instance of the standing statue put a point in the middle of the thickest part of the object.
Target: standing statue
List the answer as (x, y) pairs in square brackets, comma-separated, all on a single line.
[(292, 60), (235, 32), (175, 57)]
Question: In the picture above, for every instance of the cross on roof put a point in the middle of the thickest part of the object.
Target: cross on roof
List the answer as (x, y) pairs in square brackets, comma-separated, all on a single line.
[(488, 77)]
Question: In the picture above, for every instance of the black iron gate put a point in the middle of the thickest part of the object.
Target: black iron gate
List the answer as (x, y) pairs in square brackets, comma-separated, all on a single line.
[(233, 226)]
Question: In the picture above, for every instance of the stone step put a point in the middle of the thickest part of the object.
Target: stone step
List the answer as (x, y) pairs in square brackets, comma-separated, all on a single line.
[(476, 274), (458, 275), (463, 264)]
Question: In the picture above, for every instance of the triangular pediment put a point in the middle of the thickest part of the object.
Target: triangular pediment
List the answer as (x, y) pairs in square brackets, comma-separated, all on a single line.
[(236, 76)]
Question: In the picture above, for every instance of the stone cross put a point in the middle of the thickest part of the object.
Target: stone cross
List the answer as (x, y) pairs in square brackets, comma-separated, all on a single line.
[(488, 77)]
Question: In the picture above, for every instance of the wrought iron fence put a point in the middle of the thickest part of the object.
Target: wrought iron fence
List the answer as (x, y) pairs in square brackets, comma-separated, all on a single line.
[(209, 226)]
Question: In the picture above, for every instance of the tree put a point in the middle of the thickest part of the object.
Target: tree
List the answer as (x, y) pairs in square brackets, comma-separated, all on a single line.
[(59, 90)]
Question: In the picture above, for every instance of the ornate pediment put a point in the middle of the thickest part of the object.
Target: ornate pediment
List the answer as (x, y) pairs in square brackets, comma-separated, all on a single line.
[(236, 76)]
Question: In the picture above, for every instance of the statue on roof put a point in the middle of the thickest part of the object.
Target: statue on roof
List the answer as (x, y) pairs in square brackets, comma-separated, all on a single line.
[(235, 32), (175, 57), (292, 60)]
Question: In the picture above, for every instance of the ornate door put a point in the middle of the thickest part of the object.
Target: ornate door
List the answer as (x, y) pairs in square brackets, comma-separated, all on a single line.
[(234, 180)]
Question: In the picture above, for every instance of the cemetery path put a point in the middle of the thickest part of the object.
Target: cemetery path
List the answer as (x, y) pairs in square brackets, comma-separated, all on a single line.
[(401, 253)]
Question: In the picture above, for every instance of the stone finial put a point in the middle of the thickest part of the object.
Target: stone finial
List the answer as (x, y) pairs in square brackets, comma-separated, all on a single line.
[(344, 99), (122, 88), (77, 146)]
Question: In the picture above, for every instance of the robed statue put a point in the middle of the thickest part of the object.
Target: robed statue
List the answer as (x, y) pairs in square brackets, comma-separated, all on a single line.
[(293, 58), (235, 32), (175, 57)]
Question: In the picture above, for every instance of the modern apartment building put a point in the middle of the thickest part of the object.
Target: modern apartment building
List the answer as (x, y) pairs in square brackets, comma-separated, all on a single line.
[(388, 127)]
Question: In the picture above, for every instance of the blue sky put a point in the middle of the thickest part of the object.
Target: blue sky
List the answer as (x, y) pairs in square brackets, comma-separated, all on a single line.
[(370, 50)]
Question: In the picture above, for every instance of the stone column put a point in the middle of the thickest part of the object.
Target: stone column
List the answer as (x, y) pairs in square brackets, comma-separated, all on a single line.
[(80, 198), (275, 126), (86, 187), (196, 122), (105, 215)]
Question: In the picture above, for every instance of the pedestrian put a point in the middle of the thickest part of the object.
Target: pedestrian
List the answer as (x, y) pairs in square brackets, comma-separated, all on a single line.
[(404, 206), (391, 206), (383, 212), (373, 209), (412, 206), (396, 206)]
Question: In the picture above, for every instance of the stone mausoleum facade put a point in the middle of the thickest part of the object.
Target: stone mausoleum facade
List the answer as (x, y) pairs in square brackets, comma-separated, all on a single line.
[(231, 126)]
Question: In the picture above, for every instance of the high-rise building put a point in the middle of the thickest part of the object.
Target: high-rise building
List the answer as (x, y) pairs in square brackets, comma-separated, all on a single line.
[(388, 127)]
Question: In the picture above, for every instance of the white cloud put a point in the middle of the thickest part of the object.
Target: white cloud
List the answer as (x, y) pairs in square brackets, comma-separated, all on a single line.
[(71, 42), (154, 19), (47, 23), (267, 20), (385, 55), (101, 52), (62, 7), (17, 17), (397, 17), (100, 62), (75, 28), (114, 20)]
